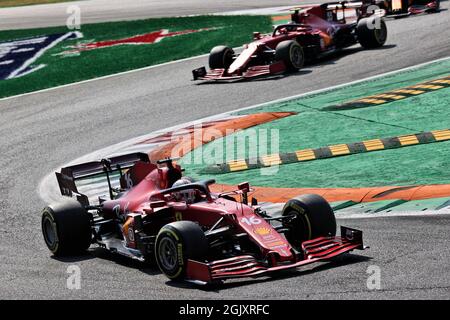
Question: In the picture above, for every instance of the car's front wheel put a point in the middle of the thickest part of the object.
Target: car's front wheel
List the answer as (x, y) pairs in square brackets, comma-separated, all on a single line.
[(309, 216), (220, 57), (437, 8), (175, 244)]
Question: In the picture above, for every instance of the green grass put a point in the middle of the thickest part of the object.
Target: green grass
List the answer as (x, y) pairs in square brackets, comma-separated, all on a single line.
[(312, 128), (230, 30), (17, 3)]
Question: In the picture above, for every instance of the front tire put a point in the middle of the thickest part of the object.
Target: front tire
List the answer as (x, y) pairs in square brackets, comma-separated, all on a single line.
[(291, 53), (175, 244), (370, 34), (66, 227), (312, 218), (220, 57)]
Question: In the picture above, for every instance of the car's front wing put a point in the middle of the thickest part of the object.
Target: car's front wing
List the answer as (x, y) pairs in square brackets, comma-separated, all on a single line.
[(315, 250), (250, 72)]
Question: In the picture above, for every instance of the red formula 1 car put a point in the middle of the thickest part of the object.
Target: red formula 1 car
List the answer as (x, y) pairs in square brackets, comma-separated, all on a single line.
[(192, 233), (313, 33), (402, 8)]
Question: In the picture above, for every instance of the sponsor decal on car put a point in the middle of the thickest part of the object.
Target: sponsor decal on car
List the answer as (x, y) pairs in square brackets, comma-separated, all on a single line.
[(270, 238), (276, 244), (180, 254), (17, 57), (262, 231)]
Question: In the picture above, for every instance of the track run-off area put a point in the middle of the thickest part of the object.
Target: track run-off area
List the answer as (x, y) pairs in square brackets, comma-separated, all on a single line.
[(43, 131)]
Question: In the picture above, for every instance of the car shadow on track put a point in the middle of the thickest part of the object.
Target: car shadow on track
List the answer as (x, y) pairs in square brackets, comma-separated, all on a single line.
[(72, 259), (127, 262), (337, 262), (101, 253), (152, 269), (332, 58)]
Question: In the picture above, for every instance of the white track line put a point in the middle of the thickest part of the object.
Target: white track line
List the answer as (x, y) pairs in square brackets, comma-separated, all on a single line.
[(103, 77), (107, 76)]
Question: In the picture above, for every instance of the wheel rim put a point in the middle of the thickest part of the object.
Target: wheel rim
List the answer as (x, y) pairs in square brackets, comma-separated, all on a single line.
[(381, 33), (298, 232), (296, 57), (167, 253), (227, 58), (49, 232)]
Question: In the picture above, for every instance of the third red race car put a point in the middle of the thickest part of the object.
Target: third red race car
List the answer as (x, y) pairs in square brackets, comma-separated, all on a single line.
[(313, 33)]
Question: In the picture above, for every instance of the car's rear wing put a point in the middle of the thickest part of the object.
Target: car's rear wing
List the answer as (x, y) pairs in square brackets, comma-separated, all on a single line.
[(68, 176)]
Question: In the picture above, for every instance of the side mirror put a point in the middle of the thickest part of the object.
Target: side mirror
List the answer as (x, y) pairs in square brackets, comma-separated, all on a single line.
[(244, 186)]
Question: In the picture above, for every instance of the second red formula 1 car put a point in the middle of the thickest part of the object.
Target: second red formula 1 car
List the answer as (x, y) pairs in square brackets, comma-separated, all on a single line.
[(192, 233), (314, 32)]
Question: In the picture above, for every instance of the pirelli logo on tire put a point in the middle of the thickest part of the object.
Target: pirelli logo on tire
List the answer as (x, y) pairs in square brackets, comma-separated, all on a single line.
[(331, 151), (393, 95)]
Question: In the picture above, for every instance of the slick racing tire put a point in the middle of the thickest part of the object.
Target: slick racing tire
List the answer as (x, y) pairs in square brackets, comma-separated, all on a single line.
[(66, 227), (312, 217), (175, 244), (220, 57), (291, 53), (372, 32)]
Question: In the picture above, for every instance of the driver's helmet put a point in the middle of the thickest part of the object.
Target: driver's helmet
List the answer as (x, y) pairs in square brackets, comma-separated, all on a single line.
[(187, 195)]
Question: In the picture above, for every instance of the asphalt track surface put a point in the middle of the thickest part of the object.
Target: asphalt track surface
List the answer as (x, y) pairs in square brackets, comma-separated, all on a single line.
[(116, 10), (40, 132)]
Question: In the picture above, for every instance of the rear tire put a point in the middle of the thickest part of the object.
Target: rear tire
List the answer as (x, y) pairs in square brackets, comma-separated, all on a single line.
[(291, 53), (369, 36), (175, 244), (313, 218), (220, 57), (66, 227)]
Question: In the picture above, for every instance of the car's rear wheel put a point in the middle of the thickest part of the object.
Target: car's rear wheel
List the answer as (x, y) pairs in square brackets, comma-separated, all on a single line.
[(175, 244), (220, 57), (291, 53), (311, 217), (66, 227), (372, 32)]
